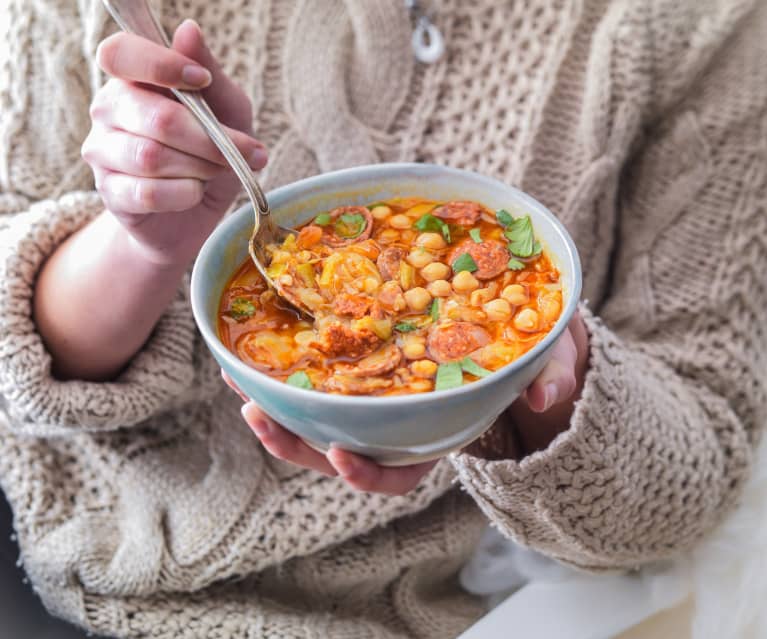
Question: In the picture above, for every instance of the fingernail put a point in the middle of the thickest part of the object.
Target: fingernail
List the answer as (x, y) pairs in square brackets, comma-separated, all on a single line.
[(190, 21), (258, 158), (196, 76), (550, 395), (253, 417)]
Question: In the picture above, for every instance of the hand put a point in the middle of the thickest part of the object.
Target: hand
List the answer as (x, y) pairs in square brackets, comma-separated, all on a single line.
[(156, 169), (358, 471)]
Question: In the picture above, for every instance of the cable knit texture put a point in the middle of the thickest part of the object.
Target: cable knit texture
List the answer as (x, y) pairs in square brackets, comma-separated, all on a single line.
[(144, 508)]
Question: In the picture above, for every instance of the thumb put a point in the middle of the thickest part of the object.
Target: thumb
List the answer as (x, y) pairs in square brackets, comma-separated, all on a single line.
[(556, 382), (225, 97)]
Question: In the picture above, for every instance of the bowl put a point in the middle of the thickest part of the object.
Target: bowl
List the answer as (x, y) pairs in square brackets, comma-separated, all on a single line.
[(402, 429)]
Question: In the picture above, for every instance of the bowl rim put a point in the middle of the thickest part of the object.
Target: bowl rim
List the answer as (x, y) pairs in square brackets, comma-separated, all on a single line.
[(382, 170)]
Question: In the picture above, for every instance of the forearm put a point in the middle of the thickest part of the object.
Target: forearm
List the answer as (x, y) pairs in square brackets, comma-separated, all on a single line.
[(97, 300)]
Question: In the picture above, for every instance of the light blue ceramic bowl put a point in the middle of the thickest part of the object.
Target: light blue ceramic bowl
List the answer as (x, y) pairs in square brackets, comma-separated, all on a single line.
[(392, 430)]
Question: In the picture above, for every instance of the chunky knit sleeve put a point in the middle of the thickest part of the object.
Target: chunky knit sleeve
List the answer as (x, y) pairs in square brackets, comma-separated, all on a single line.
[(676, 392), (45, 196)]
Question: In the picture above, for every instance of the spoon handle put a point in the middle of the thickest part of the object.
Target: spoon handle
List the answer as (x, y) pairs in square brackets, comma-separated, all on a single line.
[(135, 16)]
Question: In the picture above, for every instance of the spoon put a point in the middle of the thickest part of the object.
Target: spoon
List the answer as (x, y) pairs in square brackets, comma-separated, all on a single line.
[(135, 16)]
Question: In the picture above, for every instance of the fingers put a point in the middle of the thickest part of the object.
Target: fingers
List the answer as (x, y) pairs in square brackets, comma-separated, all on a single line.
[(557, 381), (123, 152), (230, 383), (364, 474), (283, 444), (131, 57), (123, 193), (148, 114)]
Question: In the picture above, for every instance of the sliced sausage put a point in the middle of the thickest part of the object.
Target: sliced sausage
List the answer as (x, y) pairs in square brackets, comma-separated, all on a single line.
[(383, 361), (338, 340), (330, 237), (461, 213), (355, 385), (491, 257), (452, 341), (388, 262), (349, 305)]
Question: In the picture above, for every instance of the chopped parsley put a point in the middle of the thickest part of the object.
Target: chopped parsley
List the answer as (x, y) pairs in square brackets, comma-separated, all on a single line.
[(300, 379), (349, 226), (474, 234), (323, 219), (522, 243), (468, 365), (242, 308), (429, 222), (504, 217), (464, 262), (515, 265), (405, 327), (449, 376), (434, 310)]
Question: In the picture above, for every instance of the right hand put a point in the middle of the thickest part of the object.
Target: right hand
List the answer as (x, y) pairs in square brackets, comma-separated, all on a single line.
[(156, 169)]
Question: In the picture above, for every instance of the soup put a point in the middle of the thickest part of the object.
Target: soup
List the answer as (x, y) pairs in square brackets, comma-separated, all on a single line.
[(409, 296)]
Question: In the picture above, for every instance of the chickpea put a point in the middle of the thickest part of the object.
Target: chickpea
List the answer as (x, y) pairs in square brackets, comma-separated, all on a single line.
[(370, 285), (481, 296), (303, 338), (550, 307), (421, 385), (433, 241), (304, 256), (526, 320), (407, 235), (280, 257), (439, 288), (418, 298), (465, 282), (515, 294), (435, 271), (424, 368), (286, 280), (498, 310), (420, 258), (413, 350), (389, 235), (380, 212), (400, 221)]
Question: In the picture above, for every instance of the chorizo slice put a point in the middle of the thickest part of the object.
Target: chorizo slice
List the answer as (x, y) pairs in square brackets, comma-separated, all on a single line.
[(452, 341), (461, 213), (383, 361), (349, 305), (348, 385), (337, 340), (491, 257), (331, 237), (388, 262)]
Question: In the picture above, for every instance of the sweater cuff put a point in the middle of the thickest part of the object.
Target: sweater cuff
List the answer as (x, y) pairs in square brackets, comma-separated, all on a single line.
[(554, 500), (37, 403)]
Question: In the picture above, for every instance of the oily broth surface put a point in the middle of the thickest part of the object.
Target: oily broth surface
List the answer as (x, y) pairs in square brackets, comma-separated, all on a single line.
[(266, 334)]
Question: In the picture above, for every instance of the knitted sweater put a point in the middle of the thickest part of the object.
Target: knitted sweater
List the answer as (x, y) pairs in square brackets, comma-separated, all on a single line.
[(144, 507)]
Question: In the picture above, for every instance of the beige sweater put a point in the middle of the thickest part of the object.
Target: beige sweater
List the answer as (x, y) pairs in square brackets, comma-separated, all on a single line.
[(145, 508)]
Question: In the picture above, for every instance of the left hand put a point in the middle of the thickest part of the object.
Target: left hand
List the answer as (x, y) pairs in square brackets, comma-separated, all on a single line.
[(541, 412)]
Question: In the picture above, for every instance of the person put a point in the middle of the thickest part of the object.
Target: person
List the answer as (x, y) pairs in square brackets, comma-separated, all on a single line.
[(144, 507)]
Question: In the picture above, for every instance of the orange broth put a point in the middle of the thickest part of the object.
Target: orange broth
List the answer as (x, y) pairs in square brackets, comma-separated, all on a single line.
[(398, 308)]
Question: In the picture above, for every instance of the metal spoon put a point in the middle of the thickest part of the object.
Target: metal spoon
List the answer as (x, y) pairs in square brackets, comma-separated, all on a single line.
[(135, 16)]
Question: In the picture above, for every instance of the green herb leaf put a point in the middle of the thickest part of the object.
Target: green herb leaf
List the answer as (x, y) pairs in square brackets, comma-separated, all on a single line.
[(323, 219), (349, 226), (300, 379), (449, 376), (434, 311), (504, 217), (470, 366), (537, 248), (474, 233), (464, 262), (429, 222), (515, 264), (242, 308), (520, 236), (405, 327)]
